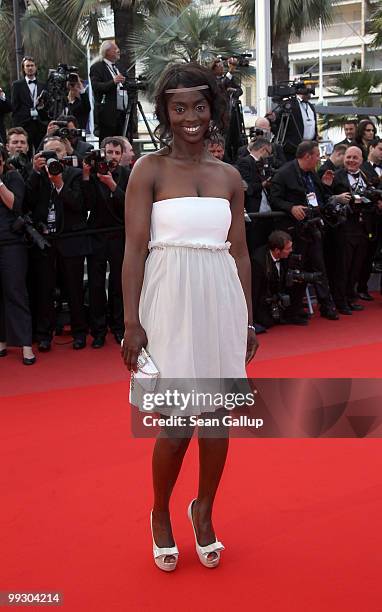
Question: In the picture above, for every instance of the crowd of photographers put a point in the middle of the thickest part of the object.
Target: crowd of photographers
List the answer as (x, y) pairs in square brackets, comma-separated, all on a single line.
[(62, 203)]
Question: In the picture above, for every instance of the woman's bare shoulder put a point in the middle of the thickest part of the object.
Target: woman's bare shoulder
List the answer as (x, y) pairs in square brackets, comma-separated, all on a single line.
[(148, 163)]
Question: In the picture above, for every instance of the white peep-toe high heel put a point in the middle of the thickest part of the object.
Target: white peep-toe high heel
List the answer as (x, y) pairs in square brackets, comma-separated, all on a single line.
[(204, 551), (161, 553)]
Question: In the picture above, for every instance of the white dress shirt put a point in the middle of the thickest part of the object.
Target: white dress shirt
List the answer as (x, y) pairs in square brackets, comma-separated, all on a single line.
[(264, 204), (308, 119), (32, 88), (277, 262), (122, 97)]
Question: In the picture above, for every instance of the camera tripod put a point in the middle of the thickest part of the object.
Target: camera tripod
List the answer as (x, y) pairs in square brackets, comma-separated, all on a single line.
[(286, 116), (134, 105)]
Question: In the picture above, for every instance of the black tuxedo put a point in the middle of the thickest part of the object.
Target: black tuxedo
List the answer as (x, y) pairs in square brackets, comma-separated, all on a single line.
[(67, 254), (295, 130), (266, 282), (22, 104), (5, 108), (288, 189), (351, 245), (80, 109), (108, 121), (107, 209)]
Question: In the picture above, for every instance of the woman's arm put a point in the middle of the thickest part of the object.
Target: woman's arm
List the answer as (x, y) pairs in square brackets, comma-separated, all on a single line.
[(239, 252), (138, 206)]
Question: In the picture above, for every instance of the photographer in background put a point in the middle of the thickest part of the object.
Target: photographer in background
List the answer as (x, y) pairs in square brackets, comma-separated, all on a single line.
[(110, 99), (73, 133), (25, 103), (351, 237), (104, 192), (262, 129), (270, 295), (252, 170), (5, 108), (55, 194), (335, 161), (216, 147), (17, 147), (302, 124), (15, 317), (78, 103), (128, 154), (297, 190)]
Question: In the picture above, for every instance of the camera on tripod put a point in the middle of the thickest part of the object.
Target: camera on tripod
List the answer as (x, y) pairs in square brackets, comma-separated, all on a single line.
[(295, 273), (98, 163), (24, 225), (285, 90), (55, 166), (133, 85), (54, 97)]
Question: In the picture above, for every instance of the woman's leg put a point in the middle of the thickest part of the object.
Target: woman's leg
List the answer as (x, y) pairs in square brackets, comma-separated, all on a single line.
[(212, 457), (169, 451)]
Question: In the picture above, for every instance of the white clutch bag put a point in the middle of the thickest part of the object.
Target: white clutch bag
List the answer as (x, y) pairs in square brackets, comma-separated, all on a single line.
[(147, 374)]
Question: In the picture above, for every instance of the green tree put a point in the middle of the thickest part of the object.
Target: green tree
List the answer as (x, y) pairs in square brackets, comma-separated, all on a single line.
[(192, 36), (376, 26), (361, 86), (288, 18)]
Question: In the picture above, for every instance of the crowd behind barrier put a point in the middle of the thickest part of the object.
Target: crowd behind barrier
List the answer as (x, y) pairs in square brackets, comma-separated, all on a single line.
[(309, 221)]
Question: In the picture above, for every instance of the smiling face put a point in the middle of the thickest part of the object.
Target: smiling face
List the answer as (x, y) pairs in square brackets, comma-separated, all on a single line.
[(189, 115), (353, 159)]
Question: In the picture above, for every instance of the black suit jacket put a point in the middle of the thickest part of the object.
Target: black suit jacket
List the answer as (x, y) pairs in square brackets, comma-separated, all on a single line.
[(80, 108), (356, 223), (347, 142), (295, 131), (105, 95), (288, 189), (107, 208), (5, 108), (22, 102), (70, 209), (265, 283), (249, 172), (327, 165)]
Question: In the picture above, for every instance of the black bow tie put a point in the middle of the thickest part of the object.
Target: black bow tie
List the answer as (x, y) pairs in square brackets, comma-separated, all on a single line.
[(355, 175), (376, 165), (30, 82)]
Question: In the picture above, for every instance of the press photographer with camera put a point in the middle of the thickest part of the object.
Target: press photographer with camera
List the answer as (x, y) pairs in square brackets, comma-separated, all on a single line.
[(255, 172), (335, 161), (273, 282), (110, 98), (302, 119), (78, 104), (352, 235), (17, 148), (66, 126), (104, 186), (15, 317), (55, 194), (297, 190), (26, 111)]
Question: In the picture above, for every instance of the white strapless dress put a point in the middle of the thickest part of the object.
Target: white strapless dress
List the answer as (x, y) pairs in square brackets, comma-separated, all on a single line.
[(192, 304)]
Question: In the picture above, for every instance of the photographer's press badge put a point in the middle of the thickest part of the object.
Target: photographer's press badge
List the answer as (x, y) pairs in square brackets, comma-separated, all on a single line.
[(312, 199)]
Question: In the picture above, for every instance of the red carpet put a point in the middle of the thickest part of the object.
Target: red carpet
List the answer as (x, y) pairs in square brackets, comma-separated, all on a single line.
[(300, 519)]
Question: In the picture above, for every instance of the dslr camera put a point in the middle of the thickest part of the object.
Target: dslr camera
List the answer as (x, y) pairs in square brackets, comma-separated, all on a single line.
[(98, 163), (24, 225), (277, 304), (265, 167), (56, 166), (64, 132), (295, 273)]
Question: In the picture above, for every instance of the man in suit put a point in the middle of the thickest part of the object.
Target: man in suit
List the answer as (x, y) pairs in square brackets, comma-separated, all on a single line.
[(335, 161), (350, 129), (372, 169), (77, 146), (352, 235), (56, 201), (5, 108), (302, 122), (110, 100), (256, 195), (262, 128), (104, 196), (25, 103), (269, 270), (296, 190)]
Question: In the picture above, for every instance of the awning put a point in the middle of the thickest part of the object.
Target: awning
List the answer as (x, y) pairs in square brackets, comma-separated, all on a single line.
[(312, 54)]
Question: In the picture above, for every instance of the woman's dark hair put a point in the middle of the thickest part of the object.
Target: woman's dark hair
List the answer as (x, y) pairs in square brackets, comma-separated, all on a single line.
[(188, 75), (3, 152)]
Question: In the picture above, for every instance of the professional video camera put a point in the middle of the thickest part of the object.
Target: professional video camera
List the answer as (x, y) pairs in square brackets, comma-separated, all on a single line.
[(242, 59), (54, 97), (96, 159), (296, 275), (285, 90), (134, 85), (277, 303), (24, 225), (55, 165)]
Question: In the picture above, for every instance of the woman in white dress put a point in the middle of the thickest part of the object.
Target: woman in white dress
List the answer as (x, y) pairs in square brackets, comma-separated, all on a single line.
[(189, 301)]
